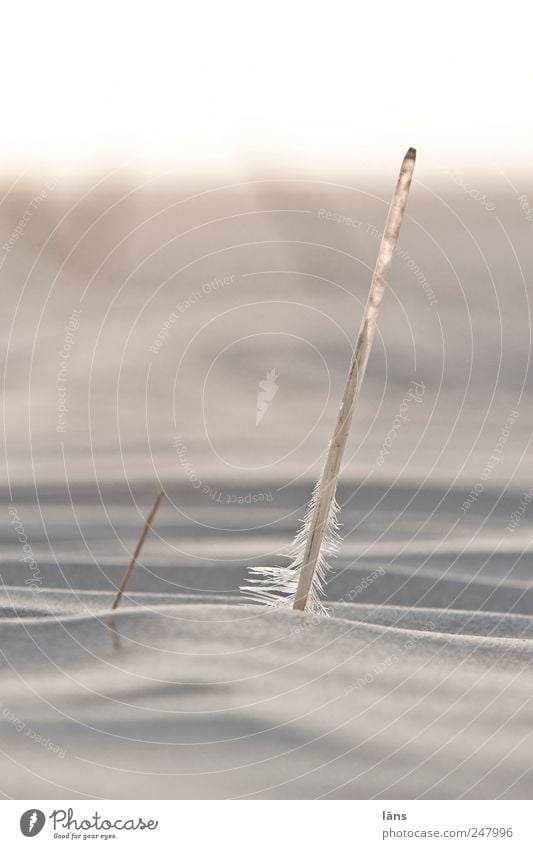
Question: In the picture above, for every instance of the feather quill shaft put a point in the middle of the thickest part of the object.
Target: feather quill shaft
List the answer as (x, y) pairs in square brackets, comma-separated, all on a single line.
[(301, 583), (328, 481)]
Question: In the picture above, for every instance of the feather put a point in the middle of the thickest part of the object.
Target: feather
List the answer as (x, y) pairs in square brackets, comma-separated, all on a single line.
[(301, 583)]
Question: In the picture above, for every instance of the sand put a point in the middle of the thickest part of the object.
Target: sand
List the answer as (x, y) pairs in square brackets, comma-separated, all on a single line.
[(419, 684)]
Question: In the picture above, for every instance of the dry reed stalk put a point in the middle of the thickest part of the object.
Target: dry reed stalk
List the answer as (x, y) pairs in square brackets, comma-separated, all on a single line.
[(147, 525)]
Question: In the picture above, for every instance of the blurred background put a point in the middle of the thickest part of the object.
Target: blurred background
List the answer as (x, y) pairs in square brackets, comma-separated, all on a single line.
[(192, 198), (183, 90)]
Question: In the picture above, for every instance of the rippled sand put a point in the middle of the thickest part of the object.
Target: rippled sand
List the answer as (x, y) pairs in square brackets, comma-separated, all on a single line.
[(419, 684)]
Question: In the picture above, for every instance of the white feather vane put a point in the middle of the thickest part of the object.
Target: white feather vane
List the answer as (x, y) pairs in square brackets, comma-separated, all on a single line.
[(301, 584), (277, 585)]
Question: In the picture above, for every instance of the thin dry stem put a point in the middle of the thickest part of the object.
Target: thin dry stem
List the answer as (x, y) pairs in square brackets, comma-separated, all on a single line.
[(147, 525)]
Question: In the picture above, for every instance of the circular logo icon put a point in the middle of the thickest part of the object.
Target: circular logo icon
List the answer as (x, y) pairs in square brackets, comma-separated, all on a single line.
[(32, 822)]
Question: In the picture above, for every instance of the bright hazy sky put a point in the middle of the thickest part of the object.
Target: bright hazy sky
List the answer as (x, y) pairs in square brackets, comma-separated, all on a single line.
[(278, 86)]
